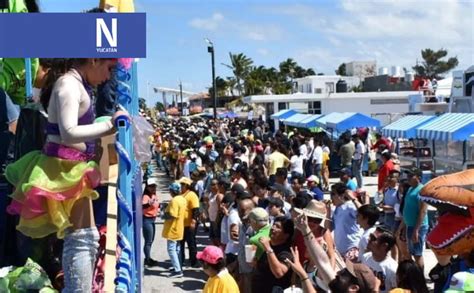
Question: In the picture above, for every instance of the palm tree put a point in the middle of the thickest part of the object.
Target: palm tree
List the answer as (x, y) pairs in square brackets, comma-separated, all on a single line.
[(159, 107), (287, 68), (221, 86), (240, 66), (142, 104)]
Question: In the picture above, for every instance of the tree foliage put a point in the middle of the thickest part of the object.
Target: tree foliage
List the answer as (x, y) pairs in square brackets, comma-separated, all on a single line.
[(249, 79), (341, 70), (433, 65)]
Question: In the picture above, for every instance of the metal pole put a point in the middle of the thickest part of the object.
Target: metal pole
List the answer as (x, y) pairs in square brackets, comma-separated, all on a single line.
[(214, 92), (181, 94)]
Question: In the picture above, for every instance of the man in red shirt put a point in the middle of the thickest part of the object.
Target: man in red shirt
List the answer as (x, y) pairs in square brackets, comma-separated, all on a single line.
[(381, 141), (384, 171)]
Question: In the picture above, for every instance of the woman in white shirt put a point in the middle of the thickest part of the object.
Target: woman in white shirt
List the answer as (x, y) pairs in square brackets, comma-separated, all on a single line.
[(296, 160)]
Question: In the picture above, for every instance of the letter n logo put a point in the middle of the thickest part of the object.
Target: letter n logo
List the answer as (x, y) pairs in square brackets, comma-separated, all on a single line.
[(102, 29)]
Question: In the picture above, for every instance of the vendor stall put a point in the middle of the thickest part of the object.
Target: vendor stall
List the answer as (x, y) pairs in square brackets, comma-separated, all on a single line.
[(283, 114), (309, 122), (294, 120), (413, 151), (450, 134), (349, 120)]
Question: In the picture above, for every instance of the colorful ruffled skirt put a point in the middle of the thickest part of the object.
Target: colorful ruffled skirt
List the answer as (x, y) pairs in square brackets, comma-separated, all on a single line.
[(47, 185)]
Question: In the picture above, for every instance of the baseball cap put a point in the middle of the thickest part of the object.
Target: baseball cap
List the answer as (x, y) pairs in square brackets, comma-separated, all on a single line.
[(461, 282), (313, 178), (258, 215), (175, 187), (346, 171), (151, 181), (185, 180), (211, 254)]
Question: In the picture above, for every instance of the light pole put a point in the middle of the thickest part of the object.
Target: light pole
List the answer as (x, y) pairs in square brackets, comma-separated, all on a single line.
[(181, 94), (210, 49)]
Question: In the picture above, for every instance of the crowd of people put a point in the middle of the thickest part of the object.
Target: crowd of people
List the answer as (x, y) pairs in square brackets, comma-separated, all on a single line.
[(261, 197)]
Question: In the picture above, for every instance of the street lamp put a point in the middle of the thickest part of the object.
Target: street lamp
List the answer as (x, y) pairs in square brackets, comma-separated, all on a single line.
[(210, 49)]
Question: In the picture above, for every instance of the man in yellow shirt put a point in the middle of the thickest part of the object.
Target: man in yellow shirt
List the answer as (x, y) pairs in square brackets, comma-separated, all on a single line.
[(173, 228), (276, 160), (190, 221), (213, 264)]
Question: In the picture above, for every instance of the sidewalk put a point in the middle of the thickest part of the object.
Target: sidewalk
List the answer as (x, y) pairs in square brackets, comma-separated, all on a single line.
[(156, 279)]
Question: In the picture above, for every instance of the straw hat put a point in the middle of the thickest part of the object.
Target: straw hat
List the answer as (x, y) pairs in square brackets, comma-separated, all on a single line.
[(315, 209)]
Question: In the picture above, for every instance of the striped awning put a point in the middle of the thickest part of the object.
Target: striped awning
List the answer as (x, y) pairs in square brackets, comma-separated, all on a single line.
[(295, 119), (448, 127), (405, 127), (283, 114), (309, 122), (350, 120)]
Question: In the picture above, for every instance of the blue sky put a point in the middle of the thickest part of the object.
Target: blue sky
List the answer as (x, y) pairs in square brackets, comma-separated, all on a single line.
[(317, 34)]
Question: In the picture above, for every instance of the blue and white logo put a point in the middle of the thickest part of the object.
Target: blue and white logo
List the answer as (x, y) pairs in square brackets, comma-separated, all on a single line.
[(102, 30), (80, 35)]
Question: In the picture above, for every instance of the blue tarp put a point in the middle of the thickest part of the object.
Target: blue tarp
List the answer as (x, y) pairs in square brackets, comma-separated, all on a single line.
[(295, 119), (309, 122), (448, 127), (283, 114), (349, 120), (405, 127)]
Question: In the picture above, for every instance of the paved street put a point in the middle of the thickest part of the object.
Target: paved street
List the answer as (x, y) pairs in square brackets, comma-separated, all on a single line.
[(156, 279)]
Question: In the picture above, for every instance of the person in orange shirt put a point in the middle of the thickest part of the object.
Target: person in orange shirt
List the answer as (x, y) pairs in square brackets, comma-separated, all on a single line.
[(150, 210)]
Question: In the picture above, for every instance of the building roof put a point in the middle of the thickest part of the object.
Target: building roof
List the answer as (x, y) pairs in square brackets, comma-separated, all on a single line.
[(306, 97)]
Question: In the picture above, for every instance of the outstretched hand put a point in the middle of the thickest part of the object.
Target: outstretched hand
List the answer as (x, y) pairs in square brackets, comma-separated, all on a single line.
[(301, 222), (295, 265)]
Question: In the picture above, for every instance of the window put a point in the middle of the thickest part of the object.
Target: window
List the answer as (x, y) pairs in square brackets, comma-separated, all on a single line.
[(329, 87), (314, 107), (282, 106), (308, 88), (301, 89), (388, 101), (318, 91)]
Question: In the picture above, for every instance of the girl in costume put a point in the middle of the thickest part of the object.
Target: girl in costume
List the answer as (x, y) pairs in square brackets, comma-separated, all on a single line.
[(55, 186)]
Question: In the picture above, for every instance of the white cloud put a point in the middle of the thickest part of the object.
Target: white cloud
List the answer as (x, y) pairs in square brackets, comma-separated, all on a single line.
[(210, 24), (263, 51), (259, 32), (393, 32)]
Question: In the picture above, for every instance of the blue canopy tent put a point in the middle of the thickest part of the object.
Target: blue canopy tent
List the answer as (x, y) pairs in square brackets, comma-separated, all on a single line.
[(295, 119), (283, 114), (309, 122), (321, 121), (349, 120), (448, 127), (450, 134), (405, 127)]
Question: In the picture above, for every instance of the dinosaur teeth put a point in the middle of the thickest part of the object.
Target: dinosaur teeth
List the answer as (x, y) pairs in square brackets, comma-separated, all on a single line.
[(446, 242), (435, 200)]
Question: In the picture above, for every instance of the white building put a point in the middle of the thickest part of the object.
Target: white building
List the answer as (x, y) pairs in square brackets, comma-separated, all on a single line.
[(361, 69), (324, 84), (385, 106)]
